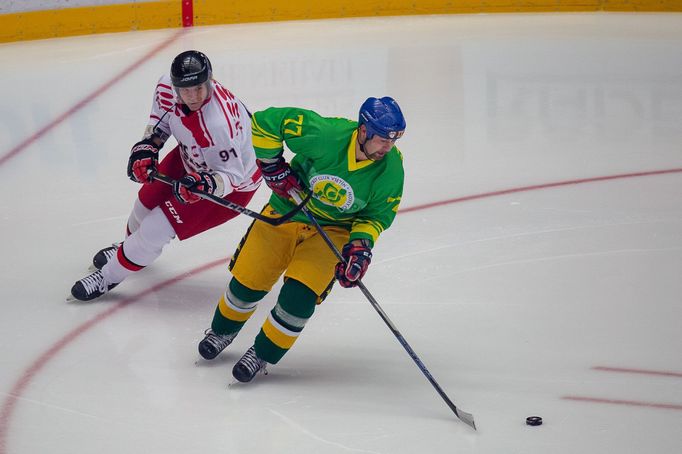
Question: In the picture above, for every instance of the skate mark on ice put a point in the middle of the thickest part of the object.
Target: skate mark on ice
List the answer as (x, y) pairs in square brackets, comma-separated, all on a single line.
[(307, 432)]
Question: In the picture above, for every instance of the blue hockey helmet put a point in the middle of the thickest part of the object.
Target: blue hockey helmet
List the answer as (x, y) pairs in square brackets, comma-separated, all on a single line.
[(190, 68), (382, 116)]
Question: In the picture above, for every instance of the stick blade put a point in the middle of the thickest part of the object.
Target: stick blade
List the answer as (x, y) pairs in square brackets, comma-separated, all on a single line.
[(467, 418)]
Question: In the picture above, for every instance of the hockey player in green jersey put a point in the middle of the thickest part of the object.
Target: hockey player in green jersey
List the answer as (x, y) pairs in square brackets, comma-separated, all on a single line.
[(355, 174)]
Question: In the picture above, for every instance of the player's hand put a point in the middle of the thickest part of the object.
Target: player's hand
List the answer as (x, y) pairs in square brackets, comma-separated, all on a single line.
[(143, 159), (280, 177), (203, 181), (357, 256)]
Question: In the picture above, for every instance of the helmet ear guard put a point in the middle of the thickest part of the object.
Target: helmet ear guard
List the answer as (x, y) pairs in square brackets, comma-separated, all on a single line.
[(382, 117)]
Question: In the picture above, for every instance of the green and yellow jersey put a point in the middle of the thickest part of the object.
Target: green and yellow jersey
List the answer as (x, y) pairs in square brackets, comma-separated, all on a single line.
[(362, 196)]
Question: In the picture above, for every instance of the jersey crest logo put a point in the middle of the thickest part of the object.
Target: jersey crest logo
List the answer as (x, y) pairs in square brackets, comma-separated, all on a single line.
[(333, 191)]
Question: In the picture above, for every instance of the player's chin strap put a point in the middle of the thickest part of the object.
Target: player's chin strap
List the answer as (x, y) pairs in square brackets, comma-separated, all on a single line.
[(362, 149), (233, 206), (467, 418)]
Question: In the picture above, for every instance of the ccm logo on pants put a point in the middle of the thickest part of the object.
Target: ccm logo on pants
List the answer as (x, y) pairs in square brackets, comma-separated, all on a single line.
[(173, 213)]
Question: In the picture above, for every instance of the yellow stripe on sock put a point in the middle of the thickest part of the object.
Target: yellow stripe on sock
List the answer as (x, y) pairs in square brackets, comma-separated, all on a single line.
[(233, 313), (280, 336)]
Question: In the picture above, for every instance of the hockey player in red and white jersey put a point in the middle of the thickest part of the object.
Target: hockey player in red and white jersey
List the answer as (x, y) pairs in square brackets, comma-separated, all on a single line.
[(214, 154)]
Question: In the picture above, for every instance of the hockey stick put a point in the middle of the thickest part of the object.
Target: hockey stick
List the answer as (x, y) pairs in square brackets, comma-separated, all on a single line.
[(467, 418), (233, 206)]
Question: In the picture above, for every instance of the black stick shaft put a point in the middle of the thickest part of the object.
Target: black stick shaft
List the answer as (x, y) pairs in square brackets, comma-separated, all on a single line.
[(462, 415), (231, 205)]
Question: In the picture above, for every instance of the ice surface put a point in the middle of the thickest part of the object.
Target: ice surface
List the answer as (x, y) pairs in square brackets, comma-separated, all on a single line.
[(557, 300)]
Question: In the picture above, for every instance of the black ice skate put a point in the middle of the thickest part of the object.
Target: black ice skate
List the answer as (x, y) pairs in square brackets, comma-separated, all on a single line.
[(214, 343), (91, 286), (248, 366), (104, 255)]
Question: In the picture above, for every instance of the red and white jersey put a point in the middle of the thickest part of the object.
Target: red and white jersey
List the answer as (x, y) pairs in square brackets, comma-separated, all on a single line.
[(216, 138)]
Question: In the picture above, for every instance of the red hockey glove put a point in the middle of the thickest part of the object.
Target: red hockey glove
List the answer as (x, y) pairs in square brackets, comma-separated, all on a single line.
[(279, 177), (203, 181), (143, 159), (358, 258)]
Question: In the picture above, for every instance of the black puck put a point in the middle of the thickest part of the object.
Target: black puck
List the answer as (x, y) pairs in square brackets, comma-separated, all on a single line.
[(534, 421)]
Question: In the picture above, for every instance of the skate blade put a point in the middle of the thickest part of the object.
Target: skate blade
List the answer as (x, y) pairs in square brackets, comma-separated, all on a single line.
[(237, 384), (73, 299)]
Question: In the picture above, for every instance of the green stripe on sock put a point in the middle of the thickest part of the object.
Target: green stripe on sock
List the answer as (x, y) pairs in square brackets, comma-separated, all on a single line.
[(222, 325), (267, 350), (244, 293)]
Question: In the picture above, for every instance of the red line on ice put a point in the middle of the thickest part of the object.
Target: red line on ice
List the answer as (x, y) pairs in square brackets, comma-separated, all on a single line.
[(85, 101), (638, 371), (538, 186), (631, 403), (15, 394), (8, 406)]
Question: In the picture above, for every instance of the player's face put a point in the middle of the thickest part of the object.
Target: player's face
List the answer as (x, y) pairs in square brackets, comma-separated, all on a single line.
[(377, 147), (194, 96)]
